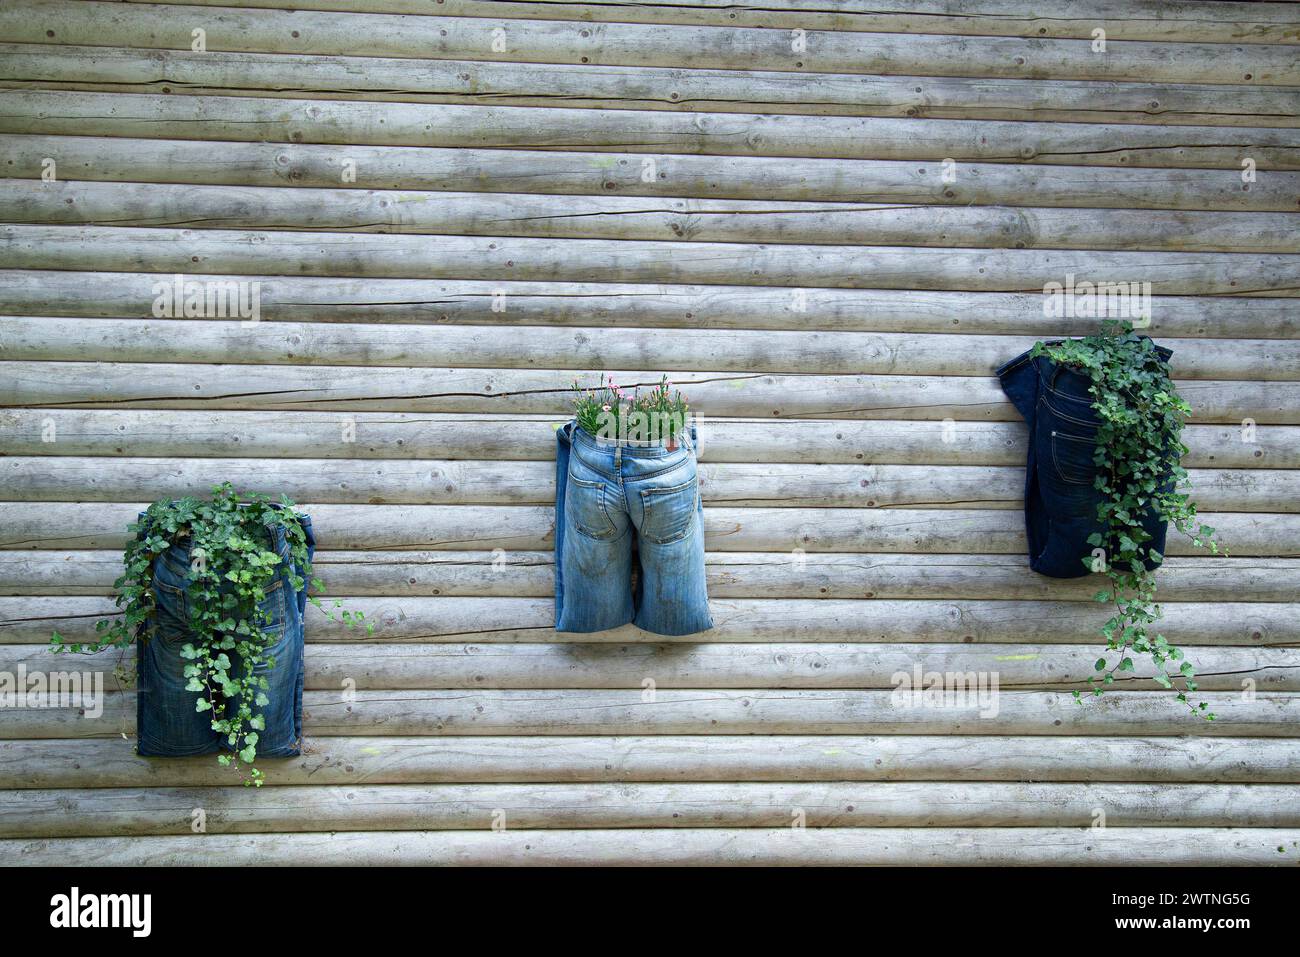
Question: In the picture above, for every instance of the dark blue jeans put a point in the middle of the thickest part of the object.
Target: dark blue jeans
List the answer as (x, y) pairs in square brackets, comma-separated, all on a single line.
[(1060, 500), (167, 724)]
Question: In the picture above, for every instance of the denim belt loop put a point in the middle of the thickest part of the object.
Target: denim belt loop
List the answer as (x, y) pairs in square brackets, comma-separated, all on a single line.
[(618, 459)]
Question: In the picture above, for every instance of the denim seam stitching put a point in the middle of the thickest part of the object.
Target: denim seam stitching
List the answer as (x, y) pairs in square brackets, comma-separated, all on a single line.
[(690, 522), (687, 532), (663, 471), (1069, 418), (1060, 472)]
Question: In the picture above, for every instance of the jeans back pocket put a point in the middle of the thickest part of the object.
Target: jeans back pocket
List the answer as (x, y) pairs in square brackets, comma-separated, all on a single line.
[(273, 610), (584, 505), (1074, 457), (171, 615), (669, 512)]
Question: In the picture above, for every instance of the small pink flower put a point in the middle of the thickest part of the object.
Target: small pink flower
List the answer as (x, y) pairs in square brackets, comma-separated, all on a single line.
[(605, 408)]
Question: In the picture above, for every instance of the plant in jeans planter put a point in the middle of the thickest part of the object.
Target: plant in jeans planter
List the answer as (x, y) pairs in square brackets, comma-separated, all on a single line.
[(226, 568), (656, 415), (1138, 453)]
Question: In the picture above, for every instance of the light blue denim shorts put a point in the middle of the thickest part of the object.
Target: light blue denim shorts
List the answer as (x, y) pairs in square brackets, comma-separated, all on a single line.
[(619, 505)]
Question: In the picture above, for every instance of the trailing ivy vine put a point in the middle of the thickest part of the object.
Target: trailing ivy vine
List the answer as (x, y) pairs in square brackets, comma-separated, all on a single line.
[(232, 563), (1139, 451)]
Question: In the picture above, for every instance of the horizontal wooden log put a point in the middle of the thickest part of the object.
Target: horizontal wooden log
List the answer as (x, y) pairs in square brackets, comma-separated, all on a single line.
[(43, 338), (372, 435), (121, 385), (1087, 846), (135, 811), (168, 27), (258, 119), (25, 66), (1023, 667), (505, 257), (65, 525), (232, 163), (774, 664), (627, 847), (352, 761), (70, 478), (1200, 22), (407, 619), (911, 311), (629, 218), (707, 712), (730, 575)]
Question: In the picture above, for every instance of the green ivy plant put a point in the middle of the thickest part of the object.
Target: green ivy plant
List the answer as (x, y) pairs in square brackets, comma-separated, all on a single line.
[(1139, 451), (233, 562)]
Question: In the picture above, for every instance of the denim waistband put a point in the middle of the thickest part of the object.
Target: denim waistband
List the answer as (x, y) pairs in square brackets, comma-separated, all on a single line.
[(631, 448)]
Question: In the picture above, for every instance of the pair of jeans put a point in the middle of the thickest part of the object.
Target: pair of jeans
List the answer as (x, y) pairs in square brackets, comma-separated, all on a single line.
[(618, 504), (1060, 500), (167, 724)]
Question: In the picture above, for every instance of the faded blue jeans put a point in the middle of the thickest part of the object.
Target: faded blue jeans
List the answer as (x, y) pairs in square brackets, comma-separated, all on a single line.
[(167, 724), (617, 504)]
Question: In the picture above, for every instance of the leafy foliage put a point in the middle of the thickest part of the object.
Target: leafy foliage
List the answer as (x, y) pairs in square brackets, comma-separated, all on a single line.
[(232, 563), (1139, 450), (658, 414)]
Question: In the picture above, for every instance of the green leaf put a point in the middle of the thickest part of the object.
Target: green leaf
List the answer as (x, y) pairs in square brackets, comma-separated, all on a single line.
[(1138, 473)]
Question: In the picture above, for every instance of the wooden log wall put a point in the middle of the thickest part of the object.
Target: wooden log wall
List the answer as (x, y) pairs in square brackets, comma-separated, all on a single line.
[(829, 223)]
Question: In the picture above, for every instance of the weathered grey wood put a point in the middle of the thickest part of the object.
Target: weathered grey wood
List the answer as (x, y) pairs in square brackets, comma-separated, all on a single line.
[(631, 847), (723, 758), (530, 347), (232, 163), (168, 27), (781, 264), (821, 575), (443, 482), (466, 700), (335, 299), (773, 665), (27, 66), (1202, 22), (294, 435), (708, 712), (64, 525), (631, 218), (407, 619), (156, 811), (719, 664), (530, 392), (258, 119)]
